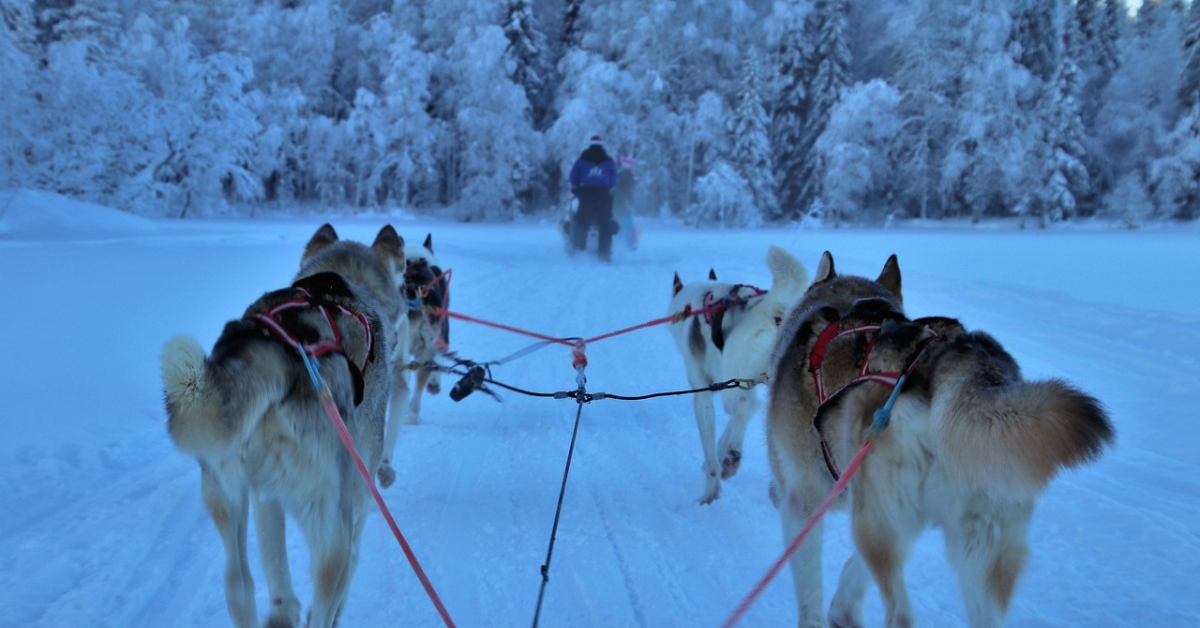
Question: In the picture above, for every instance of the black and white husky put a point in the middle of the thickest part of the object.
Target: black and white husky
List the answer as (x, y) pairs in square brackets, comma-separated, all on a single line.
[(732, 339), (423, 333)]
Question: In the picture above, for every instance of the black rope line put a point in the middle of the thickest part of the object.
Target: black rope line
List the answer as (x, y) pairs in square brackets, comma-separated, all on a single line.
[(478, 374), (557, 515)]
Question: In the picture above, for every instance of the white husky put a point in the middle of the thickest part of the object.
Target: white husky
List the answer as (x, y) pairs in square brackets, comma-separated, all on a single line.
[(732, 340)]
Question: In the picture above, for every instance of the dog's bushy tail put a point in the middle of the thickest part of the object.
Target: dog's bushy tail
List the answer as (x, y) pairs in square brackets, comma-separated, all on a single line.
[(1012, 439), (789, 276), (210, 407)]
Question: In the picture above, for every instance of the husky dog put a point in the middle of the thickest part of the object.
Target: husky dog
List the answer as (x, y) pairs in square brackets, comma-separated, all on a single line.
[(732, 339), (252, 417), (969, 446), (421, 333)]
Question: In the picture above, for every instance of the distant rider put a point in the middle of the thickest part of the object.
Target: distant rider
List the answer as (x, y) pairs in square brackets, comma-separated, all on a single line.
[(592, 179)]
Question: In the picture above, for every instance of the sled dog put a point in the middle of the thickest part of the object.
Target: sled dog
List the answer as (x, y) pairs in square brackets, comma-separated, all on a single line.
[(421, 333), (969, 446), (732, 339), (251, 415)]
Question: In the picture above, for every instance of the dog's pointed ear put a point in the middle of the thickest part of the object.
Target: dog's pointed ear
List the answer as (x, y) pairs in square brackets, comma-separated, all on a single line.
[(825, 270), (389, 246), (677, 286), (429, 242), (712, 275), (321, 239), (889, 278)]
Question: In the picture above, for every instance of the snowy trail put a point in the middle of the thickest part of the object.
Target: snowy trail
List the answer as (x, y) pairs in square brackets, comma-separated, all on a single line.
[(103, 523)]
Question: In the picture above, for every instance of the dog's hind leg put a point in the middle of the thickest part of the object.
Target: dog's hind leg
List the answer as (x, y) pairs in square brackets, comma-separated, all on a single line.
[(740, 405), (987, 548), (883, 541), (396, 410), (330, 542), (794, 512), (419, 386), (846, 610), (270, 524), (229, 508), (706, 422)]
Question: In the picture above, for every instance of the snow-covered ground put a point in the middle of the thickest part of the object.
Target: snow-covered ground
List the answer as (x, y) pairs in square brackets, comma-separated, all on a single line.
[(101, 522)]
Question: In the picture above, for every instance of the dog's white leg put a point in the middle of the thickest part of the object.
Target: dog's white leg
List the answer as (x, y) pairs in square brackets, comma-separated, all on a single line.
[(396, 410), (269, 522), (739, 404), (414, 405), (794, 511), (435, 382), (988, 550), (229, 509), (846, 609), (706, 422)]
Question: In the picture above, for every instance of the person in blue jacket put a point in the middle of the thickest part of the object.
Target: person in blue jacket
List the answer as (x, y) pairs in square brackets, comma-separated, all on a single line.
[(592, 179)]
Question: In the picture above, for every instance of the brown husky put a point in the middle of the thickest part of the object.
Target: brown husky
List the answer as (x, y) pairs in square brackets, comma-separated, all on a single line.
[(251, 416), (969, 446)]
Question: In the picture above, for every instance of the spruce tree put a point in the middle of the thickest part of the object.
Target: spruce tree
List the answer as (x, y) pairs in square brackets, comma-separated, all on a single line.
[(751, 148), (1189, 84), (828, 73), (1067, 183), (527, 58), (787, 122), (572, 28), (1110, 35), (1036, 38)]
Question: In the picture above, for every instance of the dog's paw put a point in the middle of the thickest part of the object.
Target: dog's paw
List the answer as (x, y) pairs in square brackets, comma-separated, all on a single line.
[(284, 614), (840, 619), (387, 475), (730, 463), (434, 387)]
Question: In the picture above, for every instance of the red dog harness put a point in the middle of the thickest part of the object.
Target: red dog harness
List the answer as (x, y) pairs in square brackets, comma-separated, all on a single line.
[(888, 378), (714, 309), (324, 346)]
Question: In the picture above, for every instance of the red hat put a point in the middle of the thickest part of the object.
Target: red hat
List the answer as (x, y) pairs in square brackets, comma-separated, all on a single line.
[(595, 139)]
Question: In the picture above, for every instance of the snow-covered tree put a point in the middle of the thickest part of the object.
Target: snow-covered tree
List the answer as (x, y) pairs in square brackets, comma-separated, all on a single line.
[(828, 74), (724, 199), (494, 150), (527, 58), (572, 25), (1064, 182), (195, 151), (1174, 179), (1129, 201), (1189, 83), (790, 111), (861, 129), (1140, 104), (1035, 37), (17, 103), (751, 155)]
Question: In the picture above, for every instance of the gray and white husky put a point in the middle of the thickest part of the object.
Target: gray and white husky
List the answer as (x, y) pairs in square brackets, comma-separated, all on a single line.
[(252, 417), (734, 340), (969, 446)]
